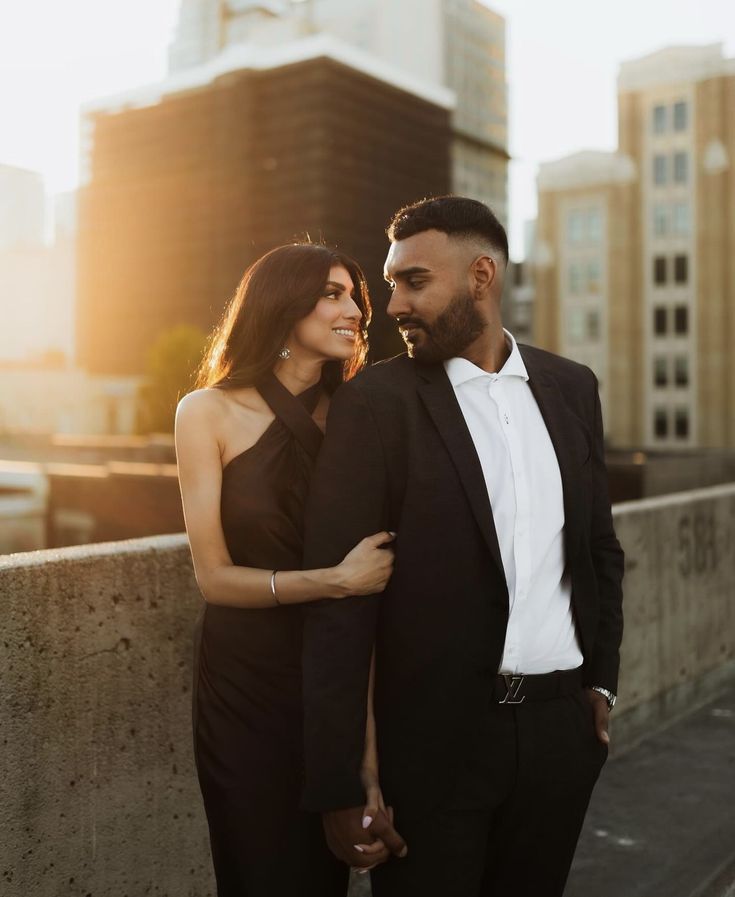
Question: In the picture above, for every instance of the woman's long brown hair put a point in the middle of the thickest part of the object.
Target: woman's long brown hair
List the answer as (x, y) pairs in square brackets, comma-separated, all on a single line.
[(276, 292)]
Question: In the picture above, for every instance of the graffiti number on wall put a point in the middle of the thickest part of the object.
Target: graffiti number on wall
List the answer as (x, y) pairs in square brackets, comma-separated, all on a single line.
[(697, 543)]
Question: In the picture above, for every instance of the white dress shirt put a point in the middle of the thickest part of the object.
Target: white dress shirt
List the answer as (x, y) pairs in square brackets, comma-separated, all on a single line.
[(524, 486)]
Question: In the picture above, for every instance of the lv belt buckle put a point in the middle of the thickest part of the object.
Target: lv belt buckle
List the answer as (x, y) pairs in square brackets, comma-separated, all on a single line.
[(513, 685)]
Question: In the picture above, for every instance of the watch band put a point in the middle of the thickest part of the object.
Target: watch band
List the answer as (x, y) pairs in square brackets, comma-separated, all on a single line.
[(607, 694)]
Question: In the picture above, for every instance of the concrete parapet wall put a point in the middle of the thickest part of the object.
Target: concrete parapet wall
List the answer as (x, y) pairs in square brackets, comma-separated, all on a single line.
[(679, 642), (99, 795)]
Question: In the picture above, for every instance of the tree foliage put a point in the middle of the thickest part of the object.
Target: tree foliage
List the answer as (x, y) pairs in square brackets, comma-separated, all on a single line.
[(172, 363)]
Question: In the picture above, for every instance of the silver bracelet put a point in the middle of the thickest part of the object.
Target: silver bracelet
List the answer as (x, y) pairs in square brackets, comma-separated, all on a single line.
[(273, 587)]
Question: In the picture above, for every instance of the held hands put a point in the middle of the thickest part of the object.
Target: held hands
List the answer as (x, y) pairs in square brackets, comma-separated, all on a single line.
[(601, 714), (368, 567), (363, 837), (374, 804)]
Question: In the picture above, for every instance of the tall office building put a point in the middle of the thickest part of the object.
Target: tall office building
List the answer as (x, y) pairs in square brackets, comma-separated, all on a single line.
[(36, 275), (459, 44), (22, 208), (635, 275), (585, 286), (189, 181)]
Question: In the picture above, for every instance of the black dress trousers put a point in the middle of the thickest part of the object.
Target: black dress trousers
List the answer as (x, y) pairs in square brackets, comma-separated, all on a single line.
[(511, 824)]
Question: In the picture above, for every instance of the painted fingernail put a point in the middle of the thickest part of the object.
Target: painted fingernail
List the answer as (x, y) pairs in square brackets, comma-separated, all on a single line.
[(367, 821), (391, 533), (403, 853), (358, 848)]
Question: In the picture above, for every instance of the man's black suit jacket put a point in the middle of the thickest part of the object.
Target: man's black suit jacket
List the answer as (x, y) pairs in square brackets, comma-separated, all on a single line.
[(398, 456)]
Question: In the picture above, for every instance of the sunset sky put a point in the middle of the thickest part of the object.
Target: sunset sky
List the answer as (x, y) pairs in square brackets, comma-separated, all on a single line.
[(562, 63)]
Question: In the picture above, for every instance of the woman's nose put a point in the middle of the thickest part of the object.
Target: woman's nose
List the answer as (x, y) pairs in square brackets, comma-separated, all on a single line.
[(352, 312)]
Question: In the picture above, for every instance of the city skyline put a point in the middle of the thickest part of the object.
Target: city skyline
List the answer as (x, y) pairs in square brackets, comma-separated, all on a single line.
[(545, 120)]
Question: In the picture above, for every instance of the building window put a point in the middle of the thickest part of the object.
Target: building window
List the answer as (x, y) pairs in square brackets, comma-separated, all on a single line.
[(661, 423), (576, 325), (594, 226), (681, 371), (661, 372), (594, 276), (593, 325), (576, 227), (681, 268), (659, 119), (681, 423), (660, 220), (575, 279), (680, 116), (659, 170), (681, 320), (680, 168), (660, 320), (681, 219), (659, 269)]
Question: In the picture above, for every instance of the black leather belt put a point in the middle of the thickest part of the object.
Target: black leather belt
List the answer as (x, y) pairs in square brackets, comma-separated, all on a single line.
[(515, 689)]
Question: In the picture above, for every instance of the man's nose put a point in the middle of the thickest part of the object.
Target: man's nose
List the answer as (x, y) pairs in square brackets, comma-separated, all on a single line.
[(396, 304)]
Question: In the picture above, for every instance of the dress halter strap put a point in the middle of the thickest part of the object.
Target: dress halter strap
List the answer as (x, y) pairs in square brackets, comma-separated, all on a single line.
[(294, 411)]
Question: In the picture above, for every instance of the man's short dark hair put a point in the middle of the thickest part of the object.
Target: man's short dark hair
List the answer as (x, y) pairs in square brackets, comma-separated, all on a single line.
[(456, 216)]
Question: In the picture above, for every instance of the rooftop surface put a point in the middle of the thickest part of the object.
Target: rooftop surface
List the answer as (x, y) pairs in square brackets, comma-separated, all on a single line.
[(662, 818)]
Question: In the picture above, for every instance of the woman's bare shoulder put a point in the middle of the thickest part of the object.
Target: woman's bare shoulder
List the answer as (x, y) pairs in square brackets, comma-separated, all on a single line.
[(235, 418), (211, 400), (200, 405)]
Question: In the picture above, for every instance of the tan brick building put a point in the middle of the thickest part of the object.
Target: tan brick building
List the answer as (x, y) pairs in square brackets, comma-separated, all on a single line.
[(635, 259)]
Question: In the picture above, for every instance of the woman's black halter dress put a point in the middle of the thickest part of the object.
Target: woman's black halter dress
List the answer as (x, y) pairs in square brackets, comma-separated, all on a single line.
[(247, 691)]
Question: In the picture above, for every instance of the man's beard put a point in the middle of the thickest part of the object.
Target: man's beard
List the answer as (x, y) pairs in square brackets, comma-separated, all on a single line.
[(457, 327)]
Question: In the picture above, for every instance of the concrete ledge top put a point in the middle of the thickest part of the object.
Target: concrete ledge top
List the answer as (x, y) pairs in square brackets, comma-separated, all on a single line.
[(176, 541), (99, 550), (673, 499)]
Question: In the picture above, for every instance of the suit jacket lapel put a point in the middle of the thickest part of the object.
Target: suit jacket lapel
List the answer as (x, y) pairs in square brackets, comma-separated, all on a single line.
[(565, 430), (438, 396)]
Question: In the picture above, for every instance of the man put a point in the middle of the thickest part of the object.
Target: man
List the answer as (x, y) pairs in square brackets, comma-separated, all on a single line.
[(497, 639)]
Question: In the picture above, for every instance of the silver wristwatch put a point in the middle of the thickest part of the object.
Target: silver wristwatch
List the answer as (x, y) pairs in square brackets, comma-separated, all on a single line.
[(608, 695)]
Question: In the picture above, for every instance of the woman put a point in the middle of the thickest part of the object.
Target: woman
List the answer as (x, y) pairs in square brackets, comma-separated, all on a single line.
[(246, 441)]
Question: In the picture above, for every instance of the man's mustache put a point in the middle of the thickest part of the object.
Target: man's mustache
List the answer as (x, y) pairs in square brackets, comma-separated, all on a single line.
[(406, 323)]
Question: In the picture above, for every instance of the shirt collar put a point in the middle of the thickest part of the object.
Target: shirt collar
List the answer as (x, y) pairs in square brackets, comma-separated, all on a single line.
[(460, 370)]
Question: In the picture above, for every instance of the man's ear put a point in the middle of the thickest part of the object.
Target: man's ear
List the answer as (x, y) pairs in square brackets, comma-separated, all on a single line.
[(484, 272)]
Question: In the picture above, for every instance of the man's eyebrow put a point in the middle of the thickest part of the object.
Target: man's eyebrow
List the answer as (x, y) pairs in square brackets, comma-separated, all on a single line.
[(406, 272)]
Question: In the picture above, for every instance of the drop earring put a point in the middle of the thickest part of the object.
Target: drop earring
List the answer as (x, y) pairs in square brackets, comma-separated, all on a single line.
[(284, 353)]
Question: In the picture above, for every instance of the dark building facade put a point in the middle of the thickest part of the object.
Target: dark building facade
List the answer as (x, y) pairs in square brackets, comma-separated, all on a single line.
[(183, 194)]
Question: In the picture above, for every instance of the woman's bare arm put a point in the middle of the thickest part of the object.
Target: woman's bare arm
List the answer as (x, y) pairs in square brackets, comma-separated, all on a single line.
[(222, 582), (370, 774), (370, 755)]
